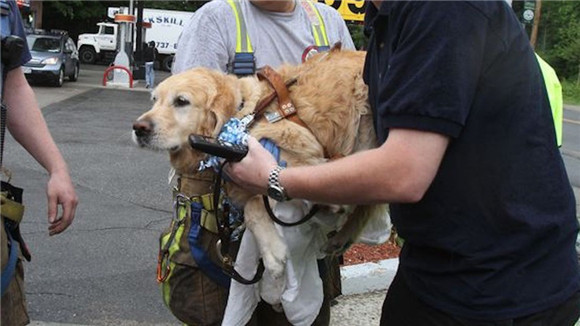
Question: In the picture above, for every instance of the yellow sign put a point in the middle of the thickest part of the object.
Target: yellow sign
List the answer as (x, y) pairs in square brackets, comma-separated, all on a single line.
[(349, 9)]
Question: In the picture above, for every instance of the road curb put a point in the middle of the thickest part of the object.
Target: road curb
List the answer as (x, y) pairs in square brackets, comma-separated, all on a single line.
[(368, 277)]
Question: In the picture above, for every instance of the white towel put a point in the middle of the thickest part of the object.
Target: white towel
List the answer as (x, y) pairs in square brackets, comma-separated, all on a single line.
[(300, 294)]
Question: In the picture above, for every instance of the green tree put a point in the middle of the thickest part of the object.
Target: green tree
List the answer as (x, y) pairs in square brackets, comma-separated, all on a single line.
[(357, 33), (79, 16), (559, 36)]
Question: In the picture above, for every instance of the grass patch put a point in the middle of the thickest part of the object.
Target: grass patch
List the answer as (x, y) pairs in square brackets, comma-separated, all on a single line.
[(571, 92)]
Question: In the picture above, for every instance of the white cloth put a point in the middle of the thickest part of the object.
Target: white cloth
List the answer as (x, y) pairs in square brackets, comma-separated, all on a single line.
[(301, 293), (376, 231)]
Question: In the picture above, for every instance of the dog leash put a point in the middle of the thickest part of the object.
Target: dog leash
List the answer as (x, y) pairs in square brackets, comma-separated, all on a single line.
[(223, 244)]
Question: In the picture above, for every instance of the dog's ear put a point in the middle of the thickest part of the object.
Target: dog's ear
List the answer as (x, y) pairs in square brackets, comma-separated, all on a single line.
[(221, 105), (211, 124), (336, 47)]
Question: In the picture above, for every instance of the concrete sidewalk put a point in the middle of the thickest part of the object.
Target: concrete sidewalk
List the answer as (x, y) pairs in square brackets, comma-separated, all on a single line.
[(351, 310)]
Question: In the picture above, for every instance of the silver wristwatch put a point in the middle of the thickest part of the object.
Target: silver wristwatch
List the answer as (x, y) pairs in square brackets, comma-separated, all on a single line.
[(275, 189)]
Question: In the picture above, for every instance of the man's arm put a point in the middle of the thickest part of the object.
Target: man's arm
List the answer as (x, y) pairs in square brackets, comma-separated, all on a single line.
[(26, 124), (401, 170)]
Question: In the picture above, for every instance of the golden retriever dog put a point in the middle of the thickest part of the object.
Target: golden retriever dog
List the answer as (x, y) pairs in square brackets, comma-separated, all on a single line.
[(330, 97)]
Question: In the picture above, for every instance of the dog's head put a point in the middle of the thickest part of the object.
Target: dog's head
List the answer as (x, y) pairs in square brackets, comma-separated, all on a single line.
[(196, 101)]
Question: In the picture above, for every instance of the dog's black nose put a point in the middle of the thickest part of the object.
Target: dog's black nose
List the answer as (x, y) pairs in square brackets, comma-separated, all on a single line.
[(142, 127)]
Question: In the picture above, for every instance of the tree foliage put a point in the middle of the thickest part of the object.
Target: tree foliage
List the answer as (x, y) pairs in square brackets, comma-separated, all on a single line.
[(559, 36), (358, 37), (80, 16)]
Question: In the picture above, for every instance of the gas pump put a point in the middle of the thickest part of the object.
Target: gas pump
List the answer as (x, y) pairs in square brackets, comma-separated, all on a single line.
[(122, 75)]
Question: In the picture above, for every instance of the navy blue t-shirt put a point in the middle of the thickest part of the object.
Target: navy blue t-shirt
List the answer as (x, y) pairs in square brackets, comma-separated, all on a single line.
[(12, 25), (494, 235)]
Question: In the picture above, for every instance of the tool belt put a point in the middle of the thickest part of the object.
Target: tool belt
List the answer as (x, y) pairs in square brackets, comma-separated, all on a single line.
[(189, 270), (12, 212)]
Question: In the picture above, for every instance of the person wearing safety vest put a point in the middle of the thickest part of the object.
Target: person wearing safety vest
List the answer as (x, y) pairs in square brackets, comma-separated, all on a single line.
[(554, 89), (240, 37), (22, 117)]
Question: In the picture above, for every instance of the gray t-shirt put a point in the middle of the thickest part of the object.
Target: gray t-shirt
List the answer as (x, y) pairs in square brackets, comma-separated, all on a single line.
[(209, 38)]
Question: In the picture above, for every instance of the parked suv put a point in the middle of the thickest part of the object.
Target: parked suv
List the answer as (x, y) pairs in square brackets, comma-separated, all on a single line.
[(54, 56)]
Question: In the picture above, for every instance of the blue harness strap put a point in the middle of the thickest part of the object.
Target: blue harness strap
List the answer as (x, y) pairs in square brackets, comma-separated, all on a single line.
[(8, 271), (213, 271), (271, 147)]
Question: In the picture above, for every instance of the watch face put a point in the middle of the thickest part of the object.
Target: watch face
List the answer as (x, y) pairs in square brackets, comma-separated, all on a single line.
[(276, 193)]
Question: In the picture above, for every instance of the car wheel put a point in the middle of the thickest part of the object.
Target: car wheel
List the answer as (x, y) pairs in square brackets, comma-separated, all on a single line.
[(167, 63), (75, 74), (60, 78), (87, 55)]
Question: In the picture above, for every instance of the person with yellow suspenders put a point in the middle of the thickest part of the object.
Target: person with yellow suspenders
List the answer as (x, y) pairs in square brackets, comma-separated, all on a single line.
[(240, 37)]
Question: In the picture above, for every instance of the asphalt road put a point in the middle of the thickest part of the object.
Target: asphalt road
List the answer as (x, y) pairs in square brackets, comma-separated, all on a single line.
[(102, 270)]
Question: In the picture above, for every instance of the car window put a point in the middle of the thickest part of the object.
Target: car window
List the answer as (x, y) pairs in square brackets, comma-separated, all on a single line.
[(43, 44), (109, 30)]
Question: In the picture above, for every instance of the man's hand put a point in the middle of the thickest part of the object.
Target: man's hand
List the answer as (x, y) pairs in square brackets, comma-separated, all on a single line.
[(252, 172), (60, 191)]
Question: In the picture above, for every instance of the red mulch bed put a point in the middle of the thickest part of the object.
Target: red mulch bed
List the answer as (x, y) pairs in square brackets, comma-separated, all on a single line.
[(361, 253)]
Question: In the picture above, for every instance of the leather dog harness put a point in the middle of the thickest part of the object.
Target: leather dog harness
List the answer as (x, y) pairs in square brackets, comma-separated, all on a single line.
[(285, 109)]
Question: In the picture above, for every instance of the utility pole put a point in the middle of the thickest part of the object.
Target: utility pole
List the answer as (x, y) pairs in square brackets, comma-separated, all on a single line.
[(534, 35), (139, 72)]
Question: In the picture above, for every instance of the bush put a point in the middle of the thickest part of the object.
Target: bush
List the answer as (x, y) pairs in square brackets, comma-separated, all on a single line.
[(571, 91), (357, 33)]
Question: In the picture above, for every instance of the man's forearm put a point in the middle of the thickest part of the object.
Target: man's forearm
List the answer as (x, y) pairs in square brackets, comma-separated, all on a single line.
[(27, 125), (401, 170)]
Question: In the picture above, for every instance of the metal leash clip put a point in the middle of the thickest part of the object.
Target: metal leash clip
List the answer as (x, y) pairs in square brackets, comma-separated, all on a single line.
[(247, 120)]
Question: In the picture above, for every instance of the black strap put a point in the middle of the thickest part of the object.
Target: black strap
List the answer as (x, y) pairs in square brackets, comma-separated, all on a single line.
[(225, 233), (305, 219)]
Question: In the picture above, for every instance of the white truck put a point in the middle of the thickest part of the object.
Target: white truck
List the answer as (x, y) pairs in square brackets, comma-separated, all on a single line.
[(166, 27)]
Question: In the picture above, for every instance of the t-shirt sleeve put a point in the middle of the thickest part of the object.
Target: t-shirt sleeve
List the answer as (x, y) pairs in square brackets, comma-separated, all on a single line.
[(17, 29), (434, 68), (202, 43)]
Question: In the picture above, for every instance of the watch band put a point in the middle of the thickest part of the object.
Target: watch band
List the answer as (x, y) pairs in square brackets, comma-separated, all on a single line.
[(274, 177), (275, 189)]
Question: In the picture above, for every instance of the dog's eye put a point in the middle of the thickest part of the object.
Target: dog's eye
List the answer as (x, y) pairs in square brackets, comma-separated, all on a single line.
[(181, 101)]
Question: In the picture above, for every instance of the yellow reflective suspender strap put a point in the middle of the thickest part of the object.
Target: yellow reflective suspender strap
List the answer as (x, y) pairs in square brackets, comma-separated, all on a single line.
[(243, 43), (244, 62), (318, 27)]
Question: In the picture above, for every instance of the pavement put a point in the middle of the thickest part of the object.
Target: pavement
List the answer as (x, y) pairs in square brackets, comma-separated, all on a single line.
[(102, 270)]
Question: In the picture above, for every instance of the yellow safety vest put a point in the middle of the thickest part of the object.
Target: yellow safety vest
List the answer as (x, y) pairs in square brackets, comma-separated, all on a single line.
[(554, 89)]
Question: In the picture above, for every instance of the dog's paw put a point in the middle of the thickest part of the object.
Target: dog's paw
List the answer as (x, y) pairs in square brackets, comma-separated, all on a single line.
[(271, 289), (275, 259)]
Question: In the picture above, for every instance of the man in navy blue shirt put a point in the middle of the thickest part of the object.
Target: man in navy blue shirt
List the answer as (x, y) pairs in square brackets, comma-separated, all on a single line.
[(469, 163)]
